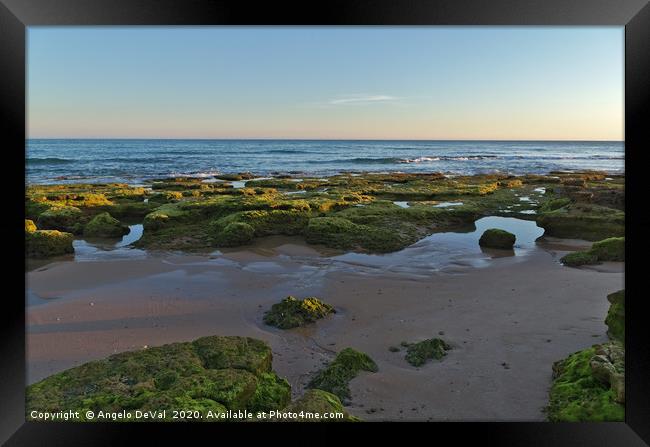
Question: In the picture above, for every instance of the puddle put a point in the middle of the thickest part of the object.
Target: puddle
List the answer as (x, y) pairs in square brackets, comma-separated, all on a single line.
[(541, 190), (528, 212), (525, 199), (145, 201), (447, 204), (101, 248), (402, 204), (238, 184), (296, 192), (442, 251)]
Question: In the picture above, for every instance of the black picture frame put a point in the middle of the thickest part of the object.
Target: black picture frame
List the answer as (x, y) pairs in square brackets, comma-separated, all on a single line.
[(16, 15)]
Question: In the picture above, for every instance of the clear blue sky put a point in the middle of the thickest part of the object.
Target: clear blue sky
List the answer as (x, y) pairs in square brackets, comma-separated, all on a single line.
[(326, 82)]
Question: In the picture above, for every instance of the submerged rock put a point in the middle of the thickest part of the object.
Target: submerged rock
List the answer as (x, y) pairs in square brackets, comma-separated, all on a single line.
[(418, 354), (589, 385), (496, 238), (212, 373), (345, 367), (292, 312), (615, 320), (46, 243), (104, 225)]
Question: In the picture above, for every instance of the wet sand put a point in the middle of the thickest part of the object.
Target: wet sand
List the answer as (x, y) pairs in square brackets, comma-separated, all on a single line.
[(508, 316)]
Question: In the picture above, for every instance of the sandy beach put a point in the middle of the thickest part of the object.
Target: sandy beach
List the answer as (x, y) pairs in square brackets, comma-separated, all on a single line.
[(508, 316)]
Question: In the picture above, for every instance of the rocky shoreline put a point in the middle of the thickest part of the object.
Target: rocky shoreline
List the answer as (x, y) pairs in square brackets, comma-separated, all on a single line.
[(366, 213)]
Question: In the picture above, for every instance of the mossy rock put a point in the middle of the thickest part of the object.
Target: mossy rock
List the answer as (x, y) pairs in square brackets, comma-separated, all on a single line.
[(615, 320), (104, 225), (292, 312), (235, 234), (62, 218), (577, 394), (337, 375), (47, 243), (321, 402), (580, 221), (496, 238), (611, 249), (272, 392), (338, 232), (212, 373), (30, 226), (554, 204), (247, 353), (417, 354), (579, 258)]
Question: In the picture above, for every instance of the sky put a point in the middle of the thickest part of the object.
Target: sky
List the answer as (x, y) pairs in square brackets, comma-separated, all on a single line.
[(483, 83)]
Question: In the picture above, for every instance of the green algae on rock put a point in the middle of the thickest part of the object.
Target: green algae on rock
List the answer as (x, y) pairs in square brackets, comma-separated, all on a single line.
[(611, 249), (337, 375), (496, 238), (211, 373), (105, 225), (317, 402), (234, 234), (292, 312), (589, 385), (417, 354), (583, 221), (47, 243), (30, 226), (64, 218), (615, 320)]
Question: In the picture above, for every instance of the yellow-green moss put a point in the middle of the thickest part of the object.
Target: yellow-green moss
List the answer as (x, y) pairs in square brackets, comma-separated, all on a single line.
[(576, 395), (47, 243), (292, 312)]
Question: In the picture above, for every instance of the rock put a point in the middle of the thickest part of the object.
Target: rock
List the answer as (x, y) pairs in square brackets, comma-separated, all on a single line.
[(608, 366), (611, 249), (318, 401), (579, 258), (495, 238), (30, 227), (62, 218), (345, 367), (212, 373), (417, 354), (46, 243), (615, 320), (234, 234), (589, 385), (292, 312), (104, 225)]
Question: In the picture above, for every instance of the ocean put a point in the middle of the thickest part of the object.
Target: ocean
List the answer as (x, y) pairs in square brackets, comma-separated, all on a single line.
[(134, 161)]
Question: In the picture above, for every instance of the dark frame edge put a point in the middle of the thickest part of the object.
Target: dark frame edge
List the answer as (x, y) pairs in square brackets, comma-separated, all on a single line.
[(12, 58), (637, 104), (12, 322)]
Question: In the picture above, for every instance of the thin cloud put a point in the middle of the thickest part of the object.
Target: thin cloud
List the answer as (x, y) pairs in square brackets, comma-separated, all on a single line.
[(362, 99)]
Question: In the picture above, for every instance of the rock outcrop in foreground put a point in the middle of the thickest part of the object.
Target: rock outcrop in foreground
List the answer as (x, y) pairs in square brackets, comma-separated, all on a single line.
[(589, 385), (211, 374)]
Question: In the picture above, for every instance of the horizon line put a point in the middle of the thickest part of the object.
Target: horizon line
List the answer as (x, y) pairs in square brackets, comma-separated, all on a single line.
[(319, 139)]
